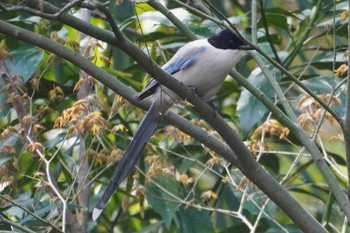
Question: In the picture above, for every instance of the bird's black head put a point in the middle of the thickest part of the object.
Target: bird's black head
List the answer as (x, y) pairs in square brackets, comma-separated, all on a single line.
[(225, 39)]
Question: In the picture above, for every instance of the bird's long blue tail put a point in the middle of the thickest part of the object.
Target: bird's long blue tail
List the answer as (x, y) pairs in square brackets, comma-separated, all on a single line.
[(133, 152)]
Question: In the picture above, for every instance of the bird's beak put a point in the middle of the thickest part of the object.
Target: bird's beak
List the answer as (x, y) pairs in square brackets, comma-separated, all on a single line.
[(246, 47)]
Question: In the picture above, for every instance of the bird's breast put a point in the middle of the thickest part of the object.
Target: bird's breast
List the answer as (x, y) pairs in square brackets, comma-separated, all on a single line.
[(209, 72)]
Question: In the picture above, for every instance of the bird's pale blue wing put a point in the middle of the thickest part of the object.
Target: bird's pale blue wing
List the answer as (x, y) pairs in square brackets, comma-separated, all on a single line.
[(182, 62)]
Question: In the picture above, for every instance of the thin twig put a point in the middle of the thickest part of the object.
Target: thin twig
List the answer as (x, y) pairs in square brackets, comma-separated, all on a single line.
[(267, 31), (31, 213), (249, 166), (52, 185), (54, 16), (17, 225)]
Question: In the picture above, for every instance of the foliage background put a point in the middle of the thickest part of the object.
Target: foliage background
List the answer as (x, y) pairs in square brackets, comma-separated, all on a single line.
[(62, 131)]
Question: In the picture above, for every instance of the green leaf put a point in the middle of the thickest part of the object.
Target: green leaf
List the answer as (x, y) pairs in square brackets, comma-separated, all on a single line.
[(5, 109), (151, 228), (4, 160), (161, 196), (229, 199), (122, 11), (156, 18), (25, 19), (25, 61), (54, 137), (323, 85), (250, 109), (278, 20), (25, 162), (193, 220)]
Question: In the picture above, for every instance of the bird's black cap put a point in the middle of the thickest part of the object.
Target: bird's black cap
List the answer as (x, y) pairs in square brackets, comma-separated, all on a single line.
[(226, 39)]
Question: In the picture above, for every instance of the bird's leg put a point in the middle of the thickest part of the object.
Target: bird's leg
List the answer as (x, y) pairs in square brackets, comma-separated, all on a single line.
[(215, 108), (196, 94), (194, 90)]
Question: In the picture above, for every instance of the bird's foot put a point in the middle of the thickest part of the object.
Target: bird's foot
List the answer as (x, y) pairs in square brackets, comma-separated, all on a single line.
[(215, 108)]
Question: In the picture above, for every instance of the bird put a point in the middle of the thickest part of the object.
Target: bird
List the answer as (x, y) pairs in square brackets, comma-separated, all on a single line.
[(203, 65)]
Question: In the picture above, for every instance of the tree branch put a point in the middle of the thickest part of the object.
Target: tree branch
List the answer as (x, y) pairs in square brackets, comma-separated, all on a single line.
[(249, 166), (346, 120), (130, 95)]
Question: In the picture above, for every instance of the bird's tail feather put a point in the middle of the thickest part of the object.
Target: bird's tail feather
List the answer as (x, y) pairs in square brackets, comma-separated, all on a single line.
[(144, 132)]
